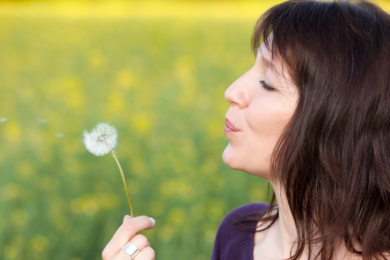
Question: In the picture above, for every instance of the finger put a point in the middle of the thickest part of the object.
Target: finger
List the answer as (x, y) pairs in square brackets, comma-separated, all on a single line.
[(122, 255), (126, 218), (140, 241), (127, 231), (146, 254)]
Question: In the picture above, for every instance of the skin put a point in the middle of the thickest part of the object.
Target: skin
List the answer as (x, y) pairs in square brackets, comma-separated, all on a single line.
[(260, 116), (126, 233)]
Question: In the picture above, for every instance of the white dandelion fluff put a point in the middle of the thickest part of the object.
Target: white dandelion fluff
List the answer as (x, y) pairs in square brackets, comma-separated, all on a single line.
[(101, 140)]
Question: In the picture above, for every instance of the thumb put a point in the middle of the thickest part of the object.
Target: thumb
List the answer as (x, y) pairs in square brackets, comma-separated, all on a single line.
[(126, 218)]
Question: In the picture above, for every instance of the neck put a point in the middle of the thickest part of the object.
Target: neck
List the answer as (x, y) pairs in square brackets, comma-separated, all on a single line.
[(286, 233)]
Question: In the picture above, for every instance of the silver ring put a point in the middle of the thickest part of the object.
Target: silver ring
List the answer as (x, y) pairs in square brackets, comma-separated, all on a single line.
[(131, 249)]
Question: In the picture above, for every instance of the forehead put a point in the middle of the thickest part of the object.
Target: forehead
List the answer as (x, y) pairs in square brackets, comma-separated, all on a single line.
[(264, 52), (264, 55), (278, 72)]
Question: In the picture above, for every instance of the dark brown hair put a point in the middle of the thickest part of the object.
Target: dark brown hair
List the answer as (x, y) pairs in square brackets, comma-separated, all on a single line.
[(333, 158)]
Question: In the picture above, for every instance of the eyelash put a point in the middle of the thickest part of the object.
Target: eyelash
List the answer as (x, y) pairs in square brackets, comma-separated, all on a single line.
[(265, 86)]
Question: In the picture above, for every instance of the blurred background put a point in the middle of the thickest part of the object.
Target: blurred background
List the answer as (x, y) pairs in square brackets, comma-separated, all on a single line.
[(157, 71)]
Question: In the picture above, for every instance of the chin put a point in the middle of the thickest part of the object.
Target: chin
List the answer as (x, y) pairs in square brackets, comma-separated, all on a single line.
[(236, 162), (230, 159)]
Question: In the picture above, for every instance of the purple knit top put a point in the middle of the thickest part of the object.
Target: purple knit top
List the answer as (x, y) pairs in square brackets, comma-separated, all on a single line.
[(232, 243)]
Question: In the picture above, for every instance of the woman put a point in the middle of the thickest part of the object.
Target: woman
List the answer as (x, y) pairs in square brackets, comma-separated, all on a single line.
[(313, 118)]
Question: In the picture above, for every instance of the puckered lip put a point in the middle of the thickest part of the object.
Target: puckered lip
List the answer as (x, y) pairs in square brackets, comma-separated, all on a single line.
[(230, 126)]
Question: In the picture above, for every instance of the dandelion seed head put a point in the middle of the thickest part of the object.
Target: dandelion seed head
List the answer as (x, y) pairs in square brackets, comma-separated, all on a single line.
[(101, 140)]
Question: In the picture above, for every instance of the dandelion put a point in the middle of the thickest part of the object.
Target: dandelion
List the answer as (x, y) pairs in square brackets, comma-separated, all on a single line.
[(102, 140), (3, 119)]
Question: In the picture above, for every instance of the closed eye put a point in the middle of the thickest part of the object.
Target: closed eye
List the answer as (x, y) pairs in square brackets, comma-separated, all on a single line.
[(266, 86)]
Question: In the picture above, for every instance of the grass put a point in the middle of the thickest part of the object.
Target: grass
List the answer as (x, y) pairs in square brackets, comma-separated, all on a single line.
[(161, 82), (158, 74)]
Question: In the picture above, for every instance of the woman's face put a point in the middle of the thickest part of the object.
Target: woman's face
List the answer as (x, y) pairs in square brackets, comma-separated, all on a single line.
[(258, 114)]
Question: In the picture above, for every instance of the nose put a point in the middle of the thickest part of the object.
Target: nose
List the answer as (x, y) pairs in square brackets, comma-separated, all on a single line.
[(239, 93)]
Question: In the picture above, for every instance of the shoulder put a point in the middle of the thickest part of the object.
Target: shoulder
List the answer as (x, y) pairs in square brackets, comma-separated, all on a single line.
[(234, 238), (243, 211)]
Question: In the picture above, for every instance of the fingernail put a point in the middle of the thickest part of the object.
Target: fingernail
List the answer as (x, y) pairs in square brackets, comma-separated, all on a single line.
[(154, 222)]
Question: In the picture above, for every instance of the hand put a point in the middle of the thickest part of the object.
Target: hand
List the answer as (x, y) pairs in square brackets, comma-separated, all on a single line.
[(127, 233)]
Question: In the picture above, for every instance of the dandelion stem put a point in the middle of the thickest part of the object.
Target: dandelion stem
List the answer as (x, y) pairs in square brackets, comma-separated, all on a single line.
[(124, 183)]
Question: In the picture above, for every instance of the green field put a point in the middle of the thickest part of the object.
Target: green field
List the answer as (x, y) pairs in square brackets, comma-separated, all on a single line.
[(160, 81)]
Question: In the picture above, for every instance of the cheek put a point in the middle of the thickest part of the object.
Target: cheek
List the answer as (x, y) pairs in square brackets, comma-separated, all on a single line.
[(265, 122), (266, 119)]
